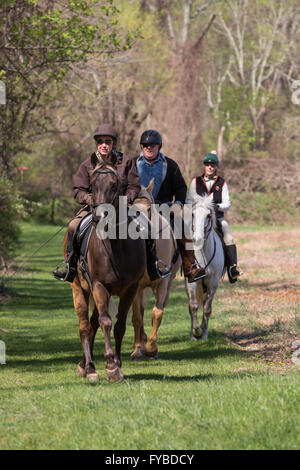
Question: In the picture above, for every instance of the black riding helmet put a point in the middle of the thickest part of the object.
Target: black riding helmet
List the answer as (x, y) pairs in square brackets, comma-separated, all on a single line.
[(151, 137)]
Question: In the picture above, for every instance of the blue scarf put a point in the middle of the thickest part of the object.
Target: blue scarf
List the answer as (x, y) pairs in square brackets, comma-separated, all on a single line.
[(155, 170)]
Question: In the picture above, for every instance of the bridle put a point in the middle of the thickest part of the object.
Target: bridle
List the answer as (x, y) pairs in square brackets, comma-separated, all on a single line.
[(207, 230), (103, 172), (208, 227)]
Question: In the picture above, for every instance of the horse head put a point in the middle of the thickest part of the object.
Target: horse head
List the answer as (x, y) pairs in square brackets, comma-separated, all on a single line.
[(105, 187), (145, 199), (204, 219)]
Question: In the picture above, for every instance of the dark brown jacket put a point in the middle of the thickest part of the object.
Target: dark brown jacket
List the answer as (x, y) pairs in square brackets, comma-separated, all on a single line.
[(127, 171)]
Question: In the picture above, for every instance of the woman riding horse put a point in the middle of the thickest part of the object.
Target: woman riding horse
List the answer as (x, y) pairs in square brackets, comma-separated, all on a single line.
[(210, 183)]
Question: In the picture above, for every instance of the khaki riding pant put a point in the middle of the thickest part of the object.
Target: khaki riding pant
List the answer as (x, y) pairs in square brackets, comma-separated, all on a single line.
[(227, 235)]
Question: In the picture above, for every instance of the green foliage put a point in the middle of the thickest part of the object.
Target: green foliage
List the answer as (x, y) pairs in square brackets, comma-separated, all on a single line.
[(264, 207), (10, 208), (41, 42)]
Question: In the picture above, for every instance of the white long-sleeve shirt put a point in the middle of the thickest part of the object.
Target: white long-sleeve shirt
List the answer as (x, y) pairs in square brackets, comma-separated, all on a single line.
[(192, 195)]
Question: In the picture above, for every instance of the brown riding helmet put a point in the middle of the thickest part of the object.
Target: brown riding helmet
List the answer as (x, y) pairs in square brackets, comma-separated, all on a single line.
[(106, 129)]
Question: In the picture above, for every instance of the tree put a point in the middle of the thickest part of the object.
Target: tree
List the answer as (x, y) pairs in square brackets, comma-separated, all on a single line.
[(245, 78), (39, 40)]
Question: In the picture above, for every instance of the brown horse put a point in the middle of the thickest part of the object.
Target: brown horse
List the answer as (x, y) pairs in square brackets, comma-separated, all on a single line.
[(116, 267), (166, 248)]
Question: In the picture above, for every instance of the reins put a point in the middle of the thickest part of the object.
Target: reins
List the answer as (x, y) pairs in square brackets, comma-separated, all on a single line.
[(20, 267), (206, 238)]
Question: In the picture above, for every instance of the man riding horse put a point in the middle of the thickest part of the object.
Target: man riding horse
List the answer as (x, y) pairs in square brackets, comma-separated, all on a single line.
[(106, 138), (169, 187)]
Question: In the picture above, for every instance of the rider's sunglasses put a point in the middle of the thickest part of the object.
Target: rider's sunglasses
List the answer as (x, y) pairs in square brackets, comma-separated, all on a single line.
[(104, 141), (149, 145), (210, 164)]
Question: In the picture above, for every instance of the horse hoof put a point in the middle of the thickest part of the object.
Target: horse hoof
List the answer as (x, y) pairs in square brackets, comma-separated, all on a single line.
[(92, 377), (151, 355), (137, 355), (80, 372), (114, 375), (197, 333)]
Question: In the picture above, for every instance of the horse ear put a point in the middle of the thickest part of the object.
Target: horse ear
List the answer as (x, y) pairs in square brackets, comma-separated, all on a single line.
[(150, 186), (94, 160), (112, 159)]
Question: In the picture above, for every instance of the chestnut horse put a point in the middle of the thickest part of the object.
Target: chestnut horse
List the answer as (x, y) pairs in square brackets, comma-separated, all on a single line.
[(166, 248), (115, 267)]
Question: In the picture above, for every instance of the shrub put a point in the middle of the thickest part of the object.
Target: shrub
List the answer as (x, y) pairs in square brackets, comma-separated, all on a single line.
[(10, 209)]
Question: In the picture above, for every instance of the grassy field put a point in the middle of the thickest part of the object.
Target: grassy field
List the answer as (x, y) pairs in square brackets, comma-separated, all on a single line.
[(238, 390)]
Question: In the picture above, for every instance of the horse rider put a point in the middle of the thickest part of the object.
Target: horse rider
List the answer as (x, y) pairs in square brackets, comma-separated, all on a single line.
[(105, 137), (169, 187), (211, 183)]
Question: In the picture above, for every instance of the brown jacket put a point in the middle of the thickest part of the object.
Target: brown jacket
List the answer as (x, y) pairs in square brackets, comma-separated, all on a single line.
[(127, 171)]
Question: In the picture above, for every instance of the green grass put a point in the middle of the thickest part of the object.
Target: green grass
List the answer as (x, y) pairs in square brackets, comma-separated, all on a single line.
[(195, 396)]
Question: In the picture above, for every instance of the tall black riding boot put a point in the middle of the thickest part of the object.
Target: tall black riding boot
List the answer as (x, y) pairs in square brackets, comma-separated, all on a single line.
[(231, 263), (156, 268), (69, 272)]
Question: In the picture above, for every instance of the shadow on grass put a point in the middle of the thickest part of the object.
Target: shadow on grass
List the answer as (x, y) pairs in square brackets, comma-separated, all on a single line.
[(38, 299), (69, 351), (134, 378)]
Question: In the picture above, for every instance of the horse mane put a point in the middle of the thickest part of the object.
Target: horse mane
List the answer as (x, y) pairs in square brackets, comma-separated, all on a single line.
[(103, 166), (110, 163), (207, 203)]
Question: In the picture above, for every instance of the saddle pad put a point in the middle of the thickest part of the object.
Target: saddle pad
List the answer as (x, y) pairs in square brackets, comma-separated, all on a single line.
[(83, 233)]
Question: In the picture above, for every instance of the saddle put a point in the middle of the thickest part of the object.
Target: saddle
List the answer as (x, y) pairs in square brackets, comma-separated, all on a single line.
[(81, 240)]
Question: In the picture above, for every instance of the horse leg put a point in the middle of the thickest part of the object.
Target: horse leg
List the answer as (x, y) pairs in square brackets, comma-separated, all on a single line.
[(140, 337), (86, 367), (161, 298), (120, 328), (207, 307), (101, 298), (195, 294), (94, 321)]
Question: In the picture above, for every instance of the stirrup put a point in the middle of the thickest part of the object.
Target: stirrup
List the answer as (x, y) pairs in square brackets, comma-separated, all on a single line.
[(192, 278), (238, 273), (70, 272), (159, 273)]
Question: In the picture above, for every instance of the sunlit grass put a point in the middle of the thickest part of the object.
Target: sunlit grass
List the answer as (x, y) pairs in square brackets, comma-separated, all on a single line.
[(209, 395)]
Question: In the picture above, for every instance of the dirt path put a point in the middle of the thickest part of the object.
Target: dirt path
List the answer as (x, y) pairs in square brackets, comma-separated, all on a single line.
[(269, 294)]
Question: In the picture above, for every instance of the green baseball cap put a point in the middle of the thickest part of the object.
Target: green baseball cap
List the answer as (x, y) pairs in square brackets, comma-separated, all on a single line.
[(211, 158)]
